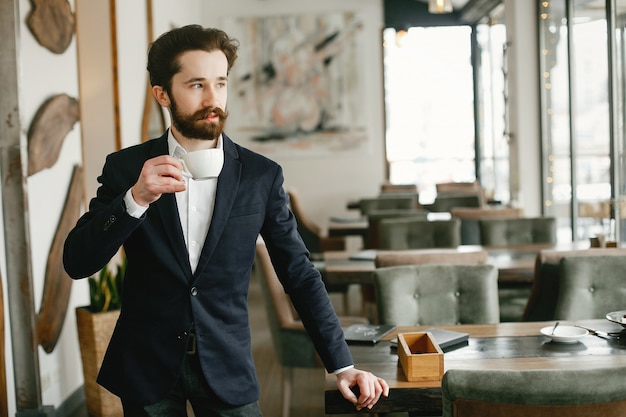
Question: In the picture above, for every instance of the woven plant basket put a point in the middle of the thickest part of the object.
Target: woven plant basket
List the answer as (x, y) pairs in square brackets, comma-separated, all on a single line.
[(94, 333)]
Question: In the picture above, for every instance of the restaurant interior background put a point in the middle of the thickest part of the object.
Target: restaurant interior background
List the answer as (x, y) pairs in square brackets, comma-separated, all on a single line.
[(525, 96)]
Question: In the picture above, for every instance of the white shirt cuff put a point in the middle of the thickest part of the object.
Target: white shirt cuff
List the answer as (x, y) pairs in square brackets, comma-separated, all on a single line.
[(340, 370), (132, 208)]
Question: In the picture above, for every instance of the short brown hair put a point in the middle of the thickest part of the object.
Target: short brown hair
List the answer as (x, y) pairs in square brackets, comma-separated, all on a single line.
[(163, 53)]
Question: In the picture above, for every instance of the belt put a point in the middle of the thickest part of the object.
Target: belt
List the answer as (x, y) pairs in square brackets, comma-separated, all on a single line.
[(191, 344)]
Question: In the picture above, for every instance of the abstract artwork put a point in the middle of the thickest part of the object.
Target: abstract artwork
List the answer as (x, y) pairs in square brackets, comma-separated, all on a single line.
[(297, 87)]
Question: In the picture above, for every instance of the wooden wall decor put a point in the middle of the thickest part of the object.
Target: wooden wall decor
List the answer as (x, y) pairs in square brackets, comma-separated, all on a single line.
[(153, 122), (52, 23), (52, 122), (57, 284)]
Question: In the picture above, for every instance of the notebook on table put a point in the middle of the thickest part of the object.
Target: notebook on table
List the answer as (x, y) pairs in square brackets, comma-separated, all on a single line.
[(366, 333)]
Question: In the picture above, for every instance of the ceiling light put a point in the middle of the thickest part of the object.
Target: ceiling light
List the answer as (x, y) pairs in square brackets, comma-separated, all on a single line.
[(440, 6)]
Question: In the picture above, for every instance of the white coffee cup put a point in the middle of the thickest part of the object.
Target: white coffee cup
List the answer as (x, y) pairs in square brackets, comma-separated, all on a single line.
[(203, 164)]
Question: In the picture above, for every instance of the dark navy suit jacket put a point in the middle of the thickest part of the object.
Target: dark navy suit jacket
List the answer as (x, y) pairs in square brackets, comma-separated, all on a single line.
[(162, 297)]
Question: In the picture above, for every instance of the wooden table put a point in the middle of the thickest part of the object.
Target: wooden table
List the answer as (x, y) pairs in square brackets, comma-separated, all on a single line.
[(516, 264), (512, 346)]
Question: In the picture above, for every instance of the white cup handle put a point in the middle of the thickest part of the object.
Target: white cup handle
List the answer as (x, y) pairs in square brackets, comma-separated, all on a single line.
[(185, 170)]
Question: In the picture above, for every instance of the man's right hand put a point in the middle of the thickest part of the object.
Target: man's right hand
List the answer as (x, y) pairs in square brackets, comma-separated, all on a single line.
[(159, 175)]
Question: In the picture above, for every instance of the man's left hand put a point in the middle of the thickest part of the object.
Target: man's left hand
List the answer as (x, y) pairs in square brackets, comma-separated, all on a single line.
[(370, 387)]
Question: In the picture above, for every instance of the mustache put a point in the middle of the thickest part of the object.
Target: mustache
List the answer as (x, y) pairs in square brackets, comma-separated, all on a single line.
[(204, 113)]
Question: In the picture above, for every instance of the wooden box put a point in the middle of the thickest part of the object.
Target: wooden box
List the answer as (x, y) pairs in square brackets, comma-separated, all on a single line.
[(420, 356)]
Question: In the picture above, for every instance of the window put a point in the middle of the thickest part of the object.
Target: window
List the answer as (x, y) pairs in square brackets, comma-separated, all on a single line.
[(429, 107)]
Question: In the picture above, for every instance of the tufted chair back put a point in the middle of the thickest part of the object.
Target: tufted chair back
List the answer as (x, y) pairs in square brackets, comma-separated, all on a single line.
[(388, 202), (545, 289), (590, 287), (437, 294), (412, 233), (446, 202), (429, 256), (520, 231), (534, 393), (375, 217), (470, 230)]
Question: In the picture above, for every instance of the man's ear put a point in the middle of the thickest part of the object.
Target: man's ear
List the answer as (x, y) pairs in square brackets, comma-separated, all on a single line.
[(161, 95)]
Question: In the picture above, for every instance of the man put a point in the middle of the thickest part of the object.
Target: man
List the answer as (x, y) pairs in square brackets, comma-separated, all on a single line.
[(183, 330)]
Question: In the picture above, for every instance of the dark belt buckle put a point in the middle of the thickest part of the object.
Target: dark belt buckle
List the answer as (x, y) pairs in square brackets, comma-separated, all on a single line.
[(191, 344)]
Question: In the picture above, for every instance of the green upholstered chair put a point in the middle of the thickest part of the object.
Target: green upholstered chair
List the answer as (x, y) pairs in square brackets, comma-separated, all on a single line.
[(386, 258), (437, 294), (446, 202), (376, 216), (388, 202), (590, 287), (534, 393), (545, 288), (517, 231), (470, 230), (414, 233), (292, 343)]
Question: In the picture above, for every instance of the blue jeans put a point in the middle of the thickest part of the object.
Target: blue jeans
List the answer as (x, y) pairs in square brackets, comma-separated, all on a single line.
[(193, 387)]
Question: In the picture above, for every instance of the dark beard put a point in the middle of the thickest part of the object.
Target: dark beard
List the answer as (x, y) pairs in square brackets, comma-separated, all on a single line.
[(193, 126)]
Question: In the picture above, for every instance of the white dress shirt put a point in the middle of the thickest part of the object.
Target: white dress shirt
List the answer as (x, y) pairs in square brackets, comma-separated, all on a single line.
[(195, 205)]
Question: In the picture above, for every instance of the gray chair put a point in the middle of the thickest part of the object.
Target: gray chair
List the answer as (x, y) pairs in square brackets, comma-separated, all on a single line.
[(388, 202), (386, 258), (590, 287), (446, 202), (545, 288), (375, 217), (412, 233), (534, 393), (437, 294), (517, 231), (292, 344), (470, 230)]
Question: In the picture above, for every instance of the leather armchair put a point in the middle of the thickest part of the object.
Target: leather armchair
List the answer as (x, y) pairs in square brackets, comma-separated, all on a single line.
[(517, 231), (534, 393), (315, 238), (437, 294), (590, 287)]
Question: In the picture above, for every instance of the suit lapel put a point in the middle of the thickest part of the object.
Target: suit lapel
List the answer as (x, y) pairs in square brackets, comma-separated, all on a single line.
[(227, 186), (166, 209)]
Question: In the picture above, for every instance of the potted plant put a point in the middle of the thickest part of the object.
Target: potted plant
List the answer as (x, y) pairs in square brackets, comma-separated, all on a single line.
[(95, 324)]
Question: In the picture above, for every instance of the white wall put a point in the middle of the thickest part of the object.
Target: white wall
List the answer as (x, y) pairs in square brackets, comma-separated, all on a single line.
[(325, 183)]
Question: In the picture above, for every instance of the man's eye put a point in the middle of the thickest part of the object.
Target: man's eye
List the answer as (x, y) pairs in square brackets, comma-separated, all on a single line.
[(196, 85)]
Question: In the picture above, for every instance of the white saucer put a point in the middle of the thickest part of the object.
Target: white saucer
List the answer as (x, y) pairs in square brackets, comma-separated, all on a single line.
[(564, 334)]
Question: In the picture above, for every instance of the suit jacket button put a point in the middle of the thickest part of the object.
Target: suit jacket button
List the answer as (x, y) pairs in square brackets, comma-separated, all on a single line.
[(194, 291), (109, 222)]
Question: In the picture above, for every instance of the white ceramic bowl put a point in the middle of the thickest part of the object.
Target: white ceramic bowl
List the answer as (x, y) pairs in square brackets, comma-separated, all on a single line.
[(564, 334), (618, 317)]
